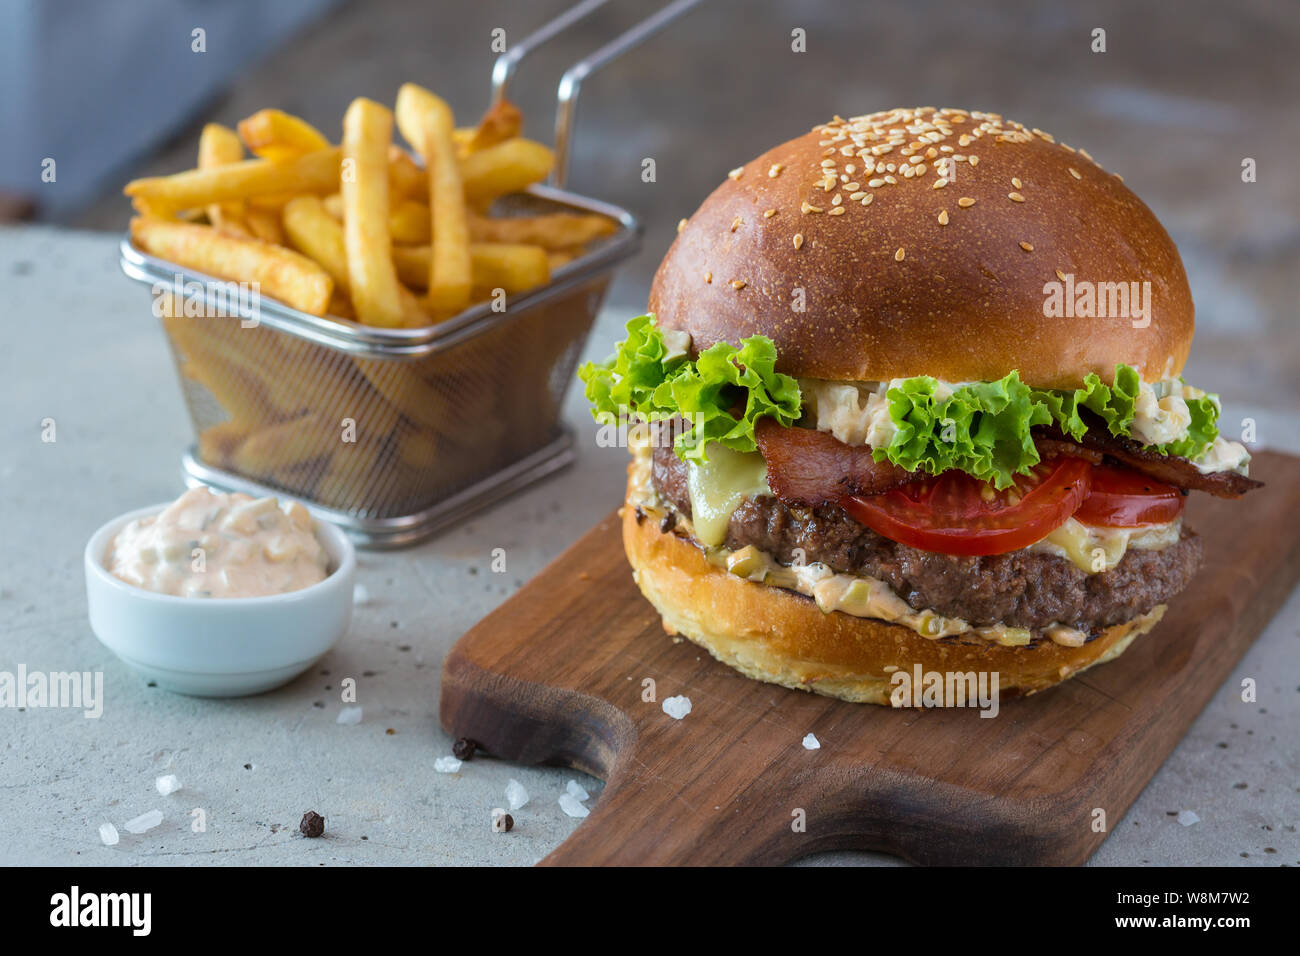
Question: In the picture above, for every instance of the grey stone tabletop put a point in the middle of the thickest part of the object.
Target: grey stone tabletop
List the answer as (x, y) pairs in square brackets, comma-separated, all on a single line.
[(84, 350), (1179, 99)]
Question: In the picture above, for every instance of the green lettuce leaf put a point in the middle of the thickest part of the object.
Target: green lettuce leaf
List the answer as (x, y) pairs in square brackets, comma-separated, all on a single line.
[(1113, 403), (1200, 433), (642, 380), (981, 428)]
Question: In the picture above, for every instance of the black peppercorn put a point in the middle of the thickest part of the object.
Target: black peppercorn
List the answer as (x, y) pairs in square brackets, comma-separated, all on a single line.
[(312, 825), (464, 748)]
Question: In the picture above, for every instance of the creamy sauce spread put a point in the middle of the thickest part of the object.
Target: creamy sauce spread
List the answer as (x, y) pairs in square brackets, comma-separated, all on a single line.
[(1223, 455), (206, 545)]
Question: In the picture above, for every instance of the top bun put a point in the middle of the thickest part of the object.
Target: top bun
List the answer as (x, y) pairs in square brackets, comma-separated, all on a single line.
[(905, 275)]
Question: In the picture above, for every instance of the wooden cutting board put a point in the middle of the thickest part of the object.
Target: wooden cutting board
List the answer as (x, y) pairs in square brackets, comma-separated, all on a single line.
[(555, 676)]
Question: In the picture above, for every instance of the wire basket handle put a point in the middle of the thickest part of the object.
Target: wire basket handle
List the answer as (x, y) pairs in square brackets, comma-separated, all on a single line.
[(566, 106)]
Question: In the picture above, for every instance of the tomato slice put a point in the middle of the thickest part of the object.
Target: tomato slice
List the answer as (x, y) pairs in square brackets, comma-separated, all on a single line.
[(1123, 498), (954, 513)]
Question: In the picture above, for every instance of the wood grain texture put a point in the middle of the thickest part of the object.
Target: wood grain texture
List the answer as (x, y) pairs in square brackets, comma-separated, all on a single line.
[(555, 676)]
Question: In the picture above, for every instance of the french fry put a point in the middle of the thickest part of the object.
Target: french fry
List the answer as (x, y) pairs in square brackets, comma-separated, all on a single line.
[(426, 122), (350, 476), (501, 122), (560, 230), (280, 273), (265, 224), (410, 222), (512, 267), (406, 179), (313, 173), (558, 260), (219, 146), (218, 442), (504, 168), (367, 132), (286, 445), (318, 235), (278, 136)]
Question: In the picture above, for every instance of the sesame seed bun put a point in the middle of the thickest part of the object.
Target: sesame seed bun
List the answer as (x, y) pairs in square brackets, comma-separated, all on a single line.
[(920, 280), (779, 636)]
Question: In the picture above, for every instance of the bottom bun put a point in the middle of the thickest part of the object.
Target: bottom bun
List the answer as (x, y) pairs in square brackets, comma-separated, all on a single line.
[(782, 637)]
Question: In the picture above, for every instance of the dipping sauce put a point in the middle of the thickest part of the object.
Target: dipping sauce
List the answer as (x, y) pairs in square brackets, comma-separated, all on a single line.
[(206, 545)]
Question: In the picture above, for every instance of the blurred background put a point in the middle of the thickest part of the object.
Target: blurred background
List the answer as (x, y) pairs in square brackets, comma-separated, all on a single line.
[(1182, 94)]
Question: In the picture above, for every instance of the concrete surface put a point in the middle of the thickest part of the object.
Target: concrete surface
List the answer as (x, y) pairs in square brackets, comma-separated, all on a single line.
[(83, 349)]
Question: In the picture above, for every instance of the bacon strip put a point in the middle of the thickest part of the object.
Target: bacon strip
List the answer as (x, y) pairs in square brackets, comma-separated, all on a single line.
[(808, 467), (1171, 469)]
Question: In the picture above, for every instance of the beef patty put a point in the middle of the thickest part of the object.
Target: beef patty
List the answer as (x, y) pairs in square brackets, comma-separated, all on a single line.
[(1020, 589)]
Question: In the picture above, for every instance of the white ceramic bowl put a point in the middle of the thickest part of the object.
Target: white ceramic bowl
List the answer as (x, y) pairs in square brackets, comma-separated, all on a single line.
[(222, 647)]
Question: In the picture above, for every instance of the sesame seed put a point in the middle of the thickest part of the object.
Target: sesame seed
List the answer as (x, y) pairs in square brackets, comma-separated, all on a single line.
[(807, 207), (1015, 197), (1015, 182), (917, 159), (1086, 155), (857, 195), (735, 224), (775, 170), (798, 240), (974, 160), (769, 213), (875, 183), (735, 173), (1027, 246), (837, 200), (965, 202), (838, 211), (681, 224), (866, 200), (943, 218), (1060, 275), (963, 140), (826, 163), (738, 284), (1075, 173), (939, 183), (852, 187), (708, 277), (891, 180), (850, 168), (898, 256)]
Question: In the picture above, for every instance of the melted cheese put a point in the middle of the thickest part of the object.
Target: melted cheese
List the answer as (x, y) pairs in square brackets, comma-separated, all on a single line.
[(1094, 549), (719, 485)]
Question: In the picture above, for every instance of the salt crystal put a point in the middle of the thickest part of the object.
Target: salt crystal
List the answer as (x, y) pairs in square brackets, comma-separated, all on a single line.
[(167, 784), (360, 595), (811, 742), (447, 765), (1187, 818), (145, 821), (677, 707), (108, 833), (572, 805), (577, 790), (516, 795), (350, 715)]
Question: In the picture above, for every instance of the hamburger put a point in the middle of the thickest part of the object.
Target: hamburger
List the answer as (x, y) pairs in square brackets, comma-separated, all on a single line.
[(908, 394)]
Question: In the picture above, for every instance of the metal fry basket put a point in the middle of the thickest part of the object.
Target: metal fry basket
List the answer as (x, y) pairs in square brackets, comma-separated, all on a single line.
[(392, 434)]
